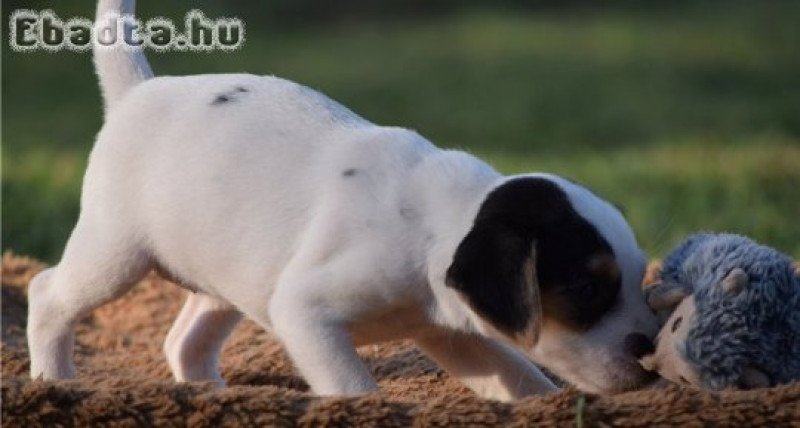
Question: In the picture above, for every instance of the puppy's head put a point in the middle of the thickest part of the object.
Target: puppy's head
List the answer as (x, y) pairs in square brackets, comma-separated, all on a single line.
[(557, 271)]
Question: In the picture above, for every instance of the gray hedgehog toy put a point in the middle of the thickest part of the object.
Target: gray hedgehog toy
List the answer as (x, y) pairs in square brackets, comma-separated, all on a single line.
[(735, 315)]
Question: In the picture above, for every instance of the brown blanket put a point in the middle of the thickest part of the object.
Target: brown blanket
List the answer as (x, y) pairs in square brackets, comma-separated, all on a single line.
[(124, 380)]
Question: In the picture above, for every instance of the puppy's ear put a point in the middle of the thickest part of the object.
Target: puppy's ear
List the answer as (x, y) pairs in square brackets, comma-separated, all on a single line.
[(494, 270)]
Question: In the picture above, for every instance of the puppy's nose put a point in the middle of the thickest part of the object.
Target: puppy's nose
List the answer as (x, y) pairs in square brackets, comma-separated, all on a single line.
[(638, 345)]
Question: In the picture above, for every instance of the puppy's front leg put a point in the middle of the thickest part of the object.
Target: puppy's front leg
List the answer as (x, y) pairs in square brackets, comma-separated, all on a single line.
[(320, 345), (490, 368)]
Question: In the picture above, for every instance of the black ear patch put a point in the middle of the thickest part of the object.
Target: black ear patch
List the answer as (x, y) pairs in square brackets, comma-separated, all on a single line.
[(576, 273), (488, 269)]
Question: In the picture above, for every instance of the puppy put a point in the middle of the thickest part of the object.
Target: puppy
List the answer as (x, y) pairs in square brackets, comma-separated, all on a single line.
[(270, 200)]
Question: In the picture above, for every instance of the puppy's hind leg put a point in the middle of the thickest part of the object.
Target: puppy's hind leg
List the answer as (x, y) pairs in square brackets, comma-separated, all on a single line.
[(100, 263), (492, 369), (195, 340)]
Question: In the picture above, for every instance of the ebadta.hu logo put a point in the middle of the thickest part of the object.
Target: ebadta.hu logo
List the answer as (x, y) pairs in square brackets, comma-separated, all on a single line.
[(44, 30)]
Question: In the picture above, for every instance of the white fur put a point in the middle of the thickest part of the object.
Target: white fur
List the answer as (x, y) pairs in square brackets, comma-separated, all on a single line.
[(332, 231), (118, 69)]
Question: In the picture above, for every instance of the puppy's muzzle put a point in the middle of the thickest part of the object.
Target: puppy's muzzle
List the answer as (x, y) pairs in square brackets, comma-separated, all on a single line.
[(638, 345)]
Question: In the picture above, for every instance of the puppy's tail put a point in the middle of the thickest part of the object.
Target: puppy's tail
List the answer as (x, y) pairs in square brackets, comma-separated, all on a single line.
[(119, 67)]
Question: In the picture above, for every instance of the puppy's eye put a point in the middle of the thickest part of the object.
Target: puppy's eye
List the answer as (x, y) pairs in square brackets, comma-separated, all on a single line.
[(683, 379), (676, 323)]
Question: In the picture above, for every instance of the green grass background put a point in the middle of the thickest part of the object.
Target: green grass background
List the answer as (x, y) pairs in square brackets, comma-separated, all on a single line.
[(687, 115)]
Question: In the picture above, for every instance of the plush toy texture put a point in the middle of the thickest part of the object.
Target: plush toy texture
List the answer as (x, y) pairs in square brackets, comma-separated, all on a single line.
[(756, 325)]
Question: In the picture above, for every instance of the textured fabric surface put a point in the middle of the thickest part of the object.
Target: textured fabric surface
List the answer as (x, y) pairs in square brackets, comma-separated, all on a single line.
[(124, 381), (757, 325)]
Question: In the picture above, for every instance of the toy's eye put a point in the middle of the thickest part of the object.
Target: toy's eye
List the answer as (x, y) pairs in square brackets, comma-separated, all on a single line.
[(676, 323)]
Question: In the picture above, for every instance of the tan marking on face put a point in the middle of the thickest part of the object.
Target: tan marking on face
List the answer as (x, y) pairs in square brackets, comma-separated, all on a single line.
[(605, 268), (530, 335)]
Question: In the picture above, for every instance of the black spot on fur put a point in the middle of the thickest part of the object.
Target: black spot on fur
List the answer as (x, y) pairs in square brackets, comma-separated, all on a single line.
[(408, 213), (229, 96), (488, 266), (220, 99), (349, 172)]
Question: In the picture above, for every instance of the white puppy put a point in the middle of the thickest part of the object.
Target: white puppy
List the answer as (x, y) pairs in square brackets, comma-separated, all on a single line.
[(270, 200)]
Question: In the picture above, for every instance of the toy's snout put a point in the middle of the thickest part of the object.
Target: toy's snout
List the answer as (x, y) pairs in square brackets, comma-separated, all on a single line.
[(667, 360), (673, 304)]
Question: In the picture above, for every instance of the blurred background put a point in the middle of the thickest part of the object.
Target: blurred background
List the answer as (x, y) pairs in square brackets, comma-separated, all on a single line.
[(686, 114)]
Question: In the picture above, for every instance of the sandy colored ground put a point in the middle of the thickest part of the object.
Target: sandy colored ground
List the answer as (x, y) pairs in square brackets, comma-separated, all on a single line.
[(124, 381)]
